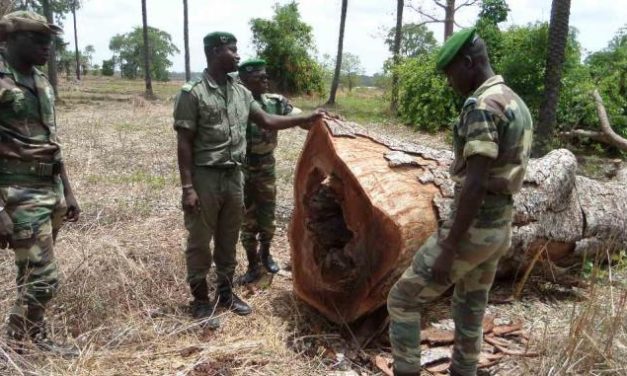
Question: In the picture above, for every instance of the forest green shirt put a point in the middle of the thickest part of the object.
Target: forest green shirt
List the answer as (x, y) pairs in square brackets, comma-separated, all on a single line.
[(218, 121), (28, 130)]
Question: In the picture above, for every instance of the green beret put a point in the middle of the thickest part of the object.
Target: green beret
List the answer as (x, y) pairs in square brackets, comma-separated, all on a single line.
[(218, 38), (251, 65), (453, 45), (26, 21)]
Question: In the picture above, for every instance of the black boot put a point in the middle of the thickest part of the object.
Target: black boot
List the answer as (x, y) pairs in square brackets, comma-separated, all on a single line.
[(266, 259), (254, 269), (398, 373), (17, 331), (201, 307), (227, 299), (38, 333)]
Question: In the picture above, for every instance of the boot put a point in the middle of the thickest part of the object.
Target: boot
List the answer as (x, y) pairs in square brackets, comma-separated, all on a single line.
[(266, 259), (254, 269), (201, 307), (398, 373), (16, 332), (227, 299), (38, 334)]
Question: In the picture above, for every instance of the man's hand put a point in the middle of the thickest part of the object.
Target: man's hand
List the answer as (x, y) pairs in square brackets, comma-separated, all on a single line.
[(73, 210), (190, 200), (441, 269), (6, 229), (318, 114)]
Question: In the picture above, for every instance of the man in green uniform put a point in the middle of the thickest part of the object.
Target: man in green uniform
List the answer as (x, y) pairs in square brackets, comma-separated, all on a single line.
[(492, 141), (210, 116), (260, 173), (35, 194)]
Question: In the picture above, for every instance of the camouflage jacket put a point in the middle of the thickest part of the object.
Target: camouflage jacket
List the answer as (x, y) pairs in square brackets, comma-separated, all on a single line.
[(496, 123), (263, 141), (28, 130), (217, 121)]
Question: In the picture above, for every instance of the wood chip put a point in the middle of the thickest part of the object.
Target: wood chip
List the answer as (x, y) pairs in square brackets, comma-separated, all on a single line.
[(384, 364)]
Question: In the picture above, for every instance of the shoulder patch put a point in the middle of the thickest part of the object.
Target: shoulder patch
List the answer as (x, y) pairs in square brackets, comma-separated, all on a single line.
[(189, 85)]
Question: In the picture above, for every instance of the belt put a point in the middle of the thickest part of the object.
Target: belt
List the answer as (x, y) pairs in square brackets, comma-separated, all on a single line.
[(33, 168)]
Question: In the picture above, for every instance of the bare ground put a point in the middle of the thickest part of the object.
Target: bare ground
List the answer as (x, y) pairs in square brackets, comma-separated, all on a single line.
[(123, 297)]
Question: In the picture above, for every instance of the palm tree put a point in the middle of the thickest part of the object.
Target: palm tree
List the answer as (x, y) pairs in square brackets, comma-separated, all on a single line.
[(52, 62), (188, 73), (78, 59), (558, 38), (149, 93), (397, 48), (338, 60)]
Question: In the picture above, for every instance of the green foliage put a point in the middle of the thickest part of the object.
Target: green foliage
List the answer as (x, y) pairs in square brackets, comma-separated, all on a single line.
[(286, 42), (494, 11), (108, 67), (425, 99), (416, 40), (59, 7), (129, 50), (350, 70)]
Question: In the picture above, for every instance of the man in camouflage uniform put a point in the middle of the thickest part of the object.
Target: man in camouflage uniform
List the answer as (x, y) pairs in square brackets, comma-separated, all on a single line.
[(492, 141), (210, 116), (35, 194), (260, 173)]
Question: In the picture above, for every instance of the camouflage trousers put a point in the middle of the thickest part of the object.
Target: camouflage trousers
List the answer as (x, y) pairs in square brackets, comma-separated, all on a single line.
[(259, 202), (220, 216), (472, 273), (37, 213)]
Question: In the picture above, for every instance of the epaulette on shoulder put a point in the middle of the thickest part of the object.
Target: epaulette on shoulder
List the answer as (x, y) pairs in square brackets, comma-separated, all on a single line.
[(470, 102), (274, 96), (189, 85)]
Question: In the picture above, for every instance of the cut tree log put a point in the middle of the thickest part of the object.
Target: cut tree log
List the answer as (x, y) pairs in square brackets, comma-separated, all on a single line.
[(364, 204)]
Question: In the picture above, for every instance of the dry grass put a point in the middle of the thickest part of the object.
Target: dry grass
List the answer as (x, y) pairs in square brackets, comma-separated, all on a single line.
[(123, 297)]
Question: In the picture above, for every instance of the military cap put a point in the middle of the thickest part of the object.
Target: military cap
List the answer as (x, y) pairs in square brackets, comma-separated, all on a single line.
[(453, 45), (26, 21), (218, 38), (252, 65)]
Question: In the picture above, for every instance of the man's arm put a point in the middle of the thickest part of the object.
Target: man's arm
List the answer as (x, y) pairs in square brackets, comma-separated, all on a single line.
[(277, 122), (185, 118), (73, 210), (470, 199)]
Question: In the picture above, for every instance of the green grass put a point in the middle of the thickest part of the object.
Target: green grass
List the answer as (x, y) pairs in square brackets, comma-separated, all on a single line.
[(367, 106)]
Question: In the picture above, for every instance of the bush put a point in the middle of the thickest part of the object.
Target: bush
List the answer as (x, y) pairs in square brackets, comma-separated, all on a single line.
[(108, 67), (425, 99)]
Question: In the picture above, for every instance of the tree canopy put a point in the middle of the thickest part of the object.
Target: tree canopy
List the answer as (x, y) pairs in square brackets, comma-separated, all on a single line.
[(128, 52), (286, 43), (416, 39)]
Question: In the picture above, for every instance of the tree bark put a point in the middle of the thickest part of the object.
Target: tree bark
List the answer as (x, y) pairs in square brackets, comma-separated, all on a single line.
[(449, 18), (52, 62), (78, 60), (558, 39), (400, 4), (338, 60), (188, 73), (364, 204), (149, 93)]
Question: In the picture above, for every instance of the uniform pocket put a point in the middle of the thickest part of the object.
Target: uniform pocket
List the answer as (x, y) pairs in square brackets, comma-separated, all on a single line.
[(211, 125)]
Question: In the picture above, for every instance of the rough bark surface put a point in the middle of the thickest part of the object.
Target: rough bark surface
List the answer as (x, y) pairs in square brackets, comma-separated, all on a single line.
[(338, 59), (365, 203), (149, 93)]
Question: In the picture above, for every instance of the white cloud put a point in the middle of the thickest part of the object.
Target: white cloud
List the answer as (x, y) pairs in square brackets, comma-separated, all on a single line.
[(99, 20)]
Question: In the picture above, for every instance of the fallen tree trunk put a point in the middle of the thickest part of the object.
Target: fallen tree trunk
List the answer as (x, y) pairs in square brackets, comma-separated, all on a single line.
[(365, 203)]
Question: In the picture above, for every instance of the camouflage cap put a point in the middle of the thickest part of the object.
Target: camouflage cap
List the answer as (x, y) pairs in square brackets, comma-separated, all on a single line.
[(252, 65), (453, 45), (26, 21), (218, 38)]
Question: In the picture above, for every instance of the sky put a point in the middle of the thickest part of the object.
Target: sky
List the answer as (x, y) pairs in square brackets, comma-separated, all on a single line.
[(99, 20)]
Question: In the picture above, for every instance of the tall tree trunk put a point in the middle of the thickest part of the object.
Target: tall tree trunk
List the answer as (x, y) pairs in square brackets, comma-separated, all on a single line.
[(78, 59), (449, 18), (149, 93), (188, 73), (52, 62), (558, 38), (338, 60), (400, 4)]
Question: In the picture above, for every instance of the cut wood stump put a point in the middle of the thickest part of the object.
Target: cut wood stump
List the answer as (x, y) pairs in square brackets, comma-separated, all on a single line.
[(365, 203)]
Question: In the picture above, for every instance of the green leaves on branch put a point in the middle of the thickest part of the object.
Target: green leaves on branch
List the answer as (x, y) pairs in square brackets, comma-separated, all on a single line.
[(129, 53), (286, 42)]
